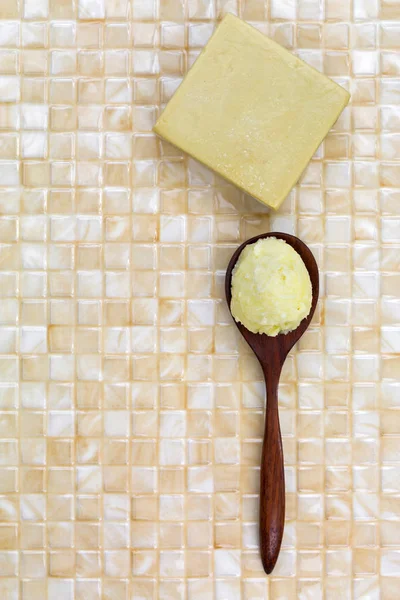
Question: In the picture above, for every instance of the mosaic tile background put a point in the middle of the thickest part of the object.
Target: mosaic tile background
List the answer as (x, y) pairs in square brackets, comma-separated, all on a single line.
[(130, 412)]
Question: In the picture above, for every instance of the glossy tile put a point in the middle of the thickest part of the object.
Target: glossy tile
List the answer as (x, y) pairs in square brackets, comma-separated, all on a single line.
[(131, 414)]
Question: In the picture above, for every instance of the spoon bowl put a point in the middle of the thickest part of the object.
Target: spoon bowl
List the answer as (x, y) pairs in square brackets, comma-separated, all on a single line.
[(271, 353)]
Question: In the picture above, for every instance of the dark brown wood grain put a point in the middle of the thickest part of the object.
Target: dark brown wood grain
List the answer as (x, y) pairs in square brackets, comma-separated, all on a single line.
[(271, 353)]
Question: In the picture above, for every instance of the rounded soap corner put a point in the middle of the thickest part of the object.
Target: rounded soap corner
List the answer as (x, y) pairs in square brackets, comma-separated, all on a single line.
[(268, 204), (230, 17), (157, 129)]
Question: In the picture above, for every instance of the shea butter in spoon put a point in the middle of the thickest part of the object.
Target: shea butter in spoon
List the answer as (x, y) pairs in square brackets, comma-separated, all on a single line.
[(271, 287)]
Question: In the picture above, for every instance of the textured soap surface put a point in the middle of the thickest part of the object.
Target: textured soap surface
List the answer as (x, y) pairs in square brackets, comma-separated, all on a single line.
[(252, 111)]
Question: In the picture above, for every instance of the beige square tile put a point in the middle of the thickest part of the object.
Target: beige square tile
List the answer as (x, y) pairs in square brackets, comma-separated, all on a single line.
[(147, 466)]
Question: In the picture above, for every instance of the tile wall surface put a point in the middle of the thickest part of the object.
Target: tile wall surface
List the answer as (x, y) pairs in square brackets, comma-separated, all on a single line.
[(131, 413)]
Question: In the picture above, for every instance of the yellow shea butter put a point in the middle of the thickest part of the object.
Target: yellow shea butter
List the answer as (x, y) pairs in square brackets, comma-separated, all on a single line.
[(252, 111), (271, 288)]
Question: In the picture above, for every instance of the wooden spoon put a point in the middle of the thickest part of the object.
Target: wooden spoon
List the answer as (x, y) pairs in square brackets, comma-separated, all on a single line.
[(271, 353)]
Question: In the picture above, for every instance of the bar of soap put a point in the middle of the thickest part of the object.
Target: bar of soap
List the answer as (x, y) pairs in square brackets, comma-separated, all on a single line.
[(271, 287), (252, 111)]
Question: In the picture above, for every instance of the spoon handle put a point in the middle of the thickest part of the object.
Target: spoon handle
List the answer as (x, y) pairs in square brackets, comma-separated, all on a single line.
[(272, 484)]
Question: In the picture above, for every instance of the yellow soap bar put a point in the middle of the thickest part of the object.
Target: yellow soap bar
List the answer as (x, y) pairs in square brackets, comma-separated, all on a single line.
[(271, 288), (252, 111)]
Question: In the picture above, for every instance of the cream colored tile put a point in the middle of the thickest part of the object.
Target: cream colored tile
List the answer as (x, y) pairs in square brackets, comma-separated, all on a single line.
[(146, 465)]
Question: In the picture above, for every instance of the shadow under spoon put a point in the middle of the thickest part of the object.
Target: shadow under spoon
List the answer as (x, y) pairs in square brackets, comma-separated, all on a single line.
[(271, 353)]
